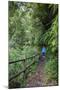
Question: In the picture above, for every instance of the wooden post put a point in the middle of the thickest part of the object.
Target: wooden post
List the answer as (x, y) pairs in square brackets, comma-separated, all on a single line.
[(24, 76)]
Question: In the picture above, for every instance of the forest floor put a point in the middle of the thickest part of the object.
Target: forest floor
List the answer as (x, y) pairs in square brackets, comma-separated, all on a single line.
[(38, 78)]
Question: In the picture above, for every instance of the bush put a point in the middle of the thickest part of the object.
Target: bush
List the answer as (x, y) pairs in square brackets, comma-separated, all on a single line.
[(51, 70)]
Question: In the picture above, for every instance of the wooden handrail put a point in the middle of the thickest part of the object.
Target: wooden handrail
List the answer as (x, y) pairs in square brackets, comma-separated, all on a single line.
[(22, 59), (21, 71), (16, 61)]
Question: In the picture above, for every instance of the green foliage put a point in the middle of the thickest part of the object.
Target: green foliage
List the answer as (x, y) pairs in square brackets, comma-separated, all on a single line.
[(30, 26), (51, 70)]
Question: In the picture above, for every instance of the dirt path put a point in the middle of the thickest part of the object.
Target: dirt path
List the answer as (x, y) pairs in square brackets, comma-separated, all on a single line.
[(37, 79)]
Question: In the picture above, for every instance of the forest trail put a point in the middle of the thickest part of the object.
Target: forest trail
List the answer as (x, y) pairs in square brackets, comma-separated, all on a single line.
[(37, 79)]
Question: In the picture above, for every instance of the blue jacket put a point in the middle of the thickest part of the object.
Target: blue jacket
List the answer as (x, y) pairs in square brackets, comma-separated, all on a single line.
[(43, 50)]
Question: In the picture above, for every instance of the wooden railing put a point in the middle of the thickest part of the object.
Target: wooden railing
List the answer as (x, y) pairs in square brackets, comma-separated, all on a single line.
[(25, 67)]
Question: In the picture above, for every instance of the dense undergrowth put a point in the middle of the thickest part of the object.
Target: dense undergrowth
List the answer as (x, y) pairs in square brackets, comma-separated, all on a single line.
[(30, 26)]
